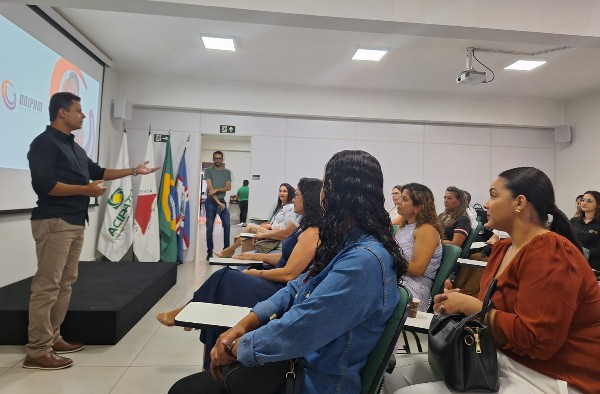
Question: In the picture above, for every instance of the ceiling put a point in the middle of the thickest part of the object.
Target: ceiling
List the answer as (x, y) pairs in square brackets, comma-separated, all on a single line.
[(299, 49)]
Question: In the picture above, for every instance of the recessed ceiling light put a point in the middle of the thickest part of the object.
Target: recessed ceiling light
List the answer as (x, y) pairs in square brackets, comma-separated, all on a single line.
[(525, 64), (221, 43), (374, 55)]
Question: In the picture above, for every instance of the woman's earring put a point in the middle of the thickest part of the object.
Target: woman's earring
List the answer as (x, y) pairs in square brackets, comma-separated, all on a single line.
[(517, 211)]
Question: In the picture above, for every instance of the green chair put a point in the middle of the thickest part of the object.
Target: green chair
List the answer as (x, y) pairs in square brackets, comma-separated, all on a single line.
[(450, 254), (377, 364), (466, 248), (586, 253)]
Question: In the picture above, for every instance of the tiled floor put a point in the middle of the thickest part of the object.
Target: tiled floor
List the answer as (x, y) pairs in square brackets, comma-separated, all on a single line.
[(148, 360)]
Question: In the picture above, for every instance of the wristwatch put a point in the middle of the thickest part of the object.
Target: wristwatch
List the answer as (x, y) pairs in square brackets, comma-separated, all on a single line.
[(133, 171)]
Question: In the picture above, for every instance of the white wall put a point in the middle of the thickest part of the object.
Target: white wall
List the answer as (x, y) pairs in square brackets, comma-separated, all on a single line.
[(288, 100), (577, 161), (286, 149)]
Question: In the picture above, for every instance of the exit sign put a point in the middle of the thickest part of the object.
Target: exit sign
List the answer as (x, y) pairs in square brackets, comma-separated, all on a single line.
[(227, 129), (161, 137)]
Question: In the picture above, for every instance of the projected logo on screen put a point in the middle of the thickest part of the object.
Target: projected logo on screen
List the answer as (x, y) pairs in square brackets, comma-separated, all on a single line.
[(10, 104), (25, 102), (67, 77)]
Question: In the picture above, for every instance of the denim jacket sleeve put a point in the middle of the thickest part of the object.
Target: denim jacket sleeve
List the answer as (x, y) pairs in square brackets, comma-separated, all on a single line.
[(279, 302), (350, 293)]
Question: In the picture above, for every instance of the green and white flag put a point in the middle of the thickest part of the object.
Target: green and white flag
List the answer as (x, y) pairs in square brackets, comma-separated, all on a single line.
[(116, 234)]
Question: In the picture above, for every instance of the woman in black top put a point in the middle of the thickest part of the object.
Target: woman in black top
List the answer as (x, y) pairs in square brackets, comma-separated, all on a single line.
[(587, 226), (455, 222)]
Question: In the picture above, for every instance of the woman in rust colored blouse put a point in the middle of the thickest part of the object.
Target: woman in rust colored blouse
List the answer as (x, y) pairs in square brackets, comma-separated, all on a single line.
[(546, 316)]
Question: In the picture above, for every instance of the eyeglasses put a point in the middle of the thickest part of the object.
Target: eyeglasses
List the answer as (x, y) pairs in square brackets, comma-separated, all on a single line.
[(588, 200), (395, 193)]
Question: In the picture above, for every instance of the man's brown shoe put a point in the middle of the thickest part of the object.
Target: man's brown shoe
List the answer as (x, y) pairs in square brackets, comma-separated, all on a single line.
[(61, 346), (48, 361)]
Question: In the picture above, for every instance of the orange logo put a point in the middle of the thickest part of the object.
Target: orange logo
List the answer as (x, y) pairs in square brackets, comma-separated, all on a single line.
[(10, 104)]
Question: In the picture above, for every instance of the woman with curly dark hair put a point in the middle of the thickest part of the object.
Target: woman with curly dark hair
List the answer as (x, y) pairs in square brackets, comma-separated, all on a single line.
[(587, 226), (419, 238), (455, 221), (334, 315), (246, 288)]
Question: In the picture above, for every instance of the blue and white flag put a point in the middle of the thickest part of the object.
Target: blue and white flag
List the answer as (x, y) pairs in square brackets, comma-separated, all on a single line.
[(183, 217)]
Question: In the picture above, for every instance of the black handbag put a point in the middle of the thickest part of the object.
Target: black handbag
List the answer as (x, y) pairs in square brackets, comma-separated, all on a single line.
[(461, 350), (269, 378)]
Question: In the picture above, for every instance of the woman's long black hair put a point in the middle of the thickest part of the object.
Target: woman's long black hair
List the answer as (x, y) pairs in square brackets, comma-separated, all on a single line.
[(291, 194), (353, 196), (535, 185), (310, 188)]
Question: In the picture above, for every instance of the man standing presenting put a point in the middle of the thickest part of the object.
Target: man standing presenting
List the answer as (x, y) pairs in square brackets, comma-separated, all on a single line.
[(60, 176), (218, 182)]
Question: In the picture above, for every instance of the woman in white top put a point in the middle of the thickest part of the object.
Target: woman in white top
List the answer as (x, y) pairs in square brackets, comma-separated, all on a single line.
[(419, 237), (394, 215), (282, 224)]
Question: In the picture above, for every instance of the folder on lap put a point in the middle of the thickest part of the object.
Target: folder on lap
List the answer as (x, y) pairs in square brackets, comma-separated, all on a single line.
[(210, 316), (234, 262), (247, 235)]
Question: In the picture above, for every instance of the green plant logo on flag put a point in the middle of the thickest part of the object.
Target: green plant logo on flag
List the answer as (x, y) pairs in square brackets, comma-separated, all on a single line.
[(116, 199)]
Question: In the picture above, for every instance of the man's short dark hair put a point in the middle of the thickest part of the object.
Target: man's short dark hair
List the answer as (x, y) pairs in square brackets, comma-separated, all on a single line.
[(61, 100), (246, 183), (217, 153), (579, 197)]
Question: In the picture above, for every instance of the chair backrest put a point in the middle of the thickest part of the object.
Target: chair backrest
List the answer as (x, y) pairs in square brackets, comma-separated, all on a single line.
[(586, 253), (450, 254), (372, 374), (466, 248)]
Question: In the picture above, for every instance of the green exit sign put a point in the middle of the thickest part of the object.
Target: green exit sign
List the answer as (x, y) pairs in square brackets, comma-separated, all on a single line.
[(161, 137), (227, 129)]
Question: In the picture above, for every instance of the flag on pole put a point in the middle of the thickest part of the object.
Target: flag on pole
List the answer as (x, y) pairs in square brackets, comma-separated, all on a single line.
[(116, 234), (145, 226), (183, 217), (167, 210)]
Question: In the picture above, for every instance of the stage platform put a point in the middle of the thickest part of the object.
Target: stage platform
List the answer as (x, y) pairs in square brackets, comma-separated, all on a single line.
[(108, 300)]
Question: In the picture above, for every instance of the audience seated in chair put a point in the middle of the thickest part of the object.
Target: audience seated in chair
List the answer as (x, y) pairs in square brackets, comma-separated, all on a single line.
[(283, 223), (246, 288), (471, 213), (546, 317), (455, 222), (587, 226), (419, 237), (395, 217), (334, 315)]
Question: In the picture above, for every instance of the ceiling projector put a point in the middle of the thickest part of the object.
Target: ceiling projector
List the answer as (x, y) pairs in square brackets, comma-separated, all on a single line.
[(471, 77)]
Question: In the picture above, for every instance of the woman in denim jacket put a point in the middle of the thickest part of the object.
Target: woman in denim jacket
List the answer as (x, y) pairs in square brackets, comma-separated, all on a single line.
[(334, 315)]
